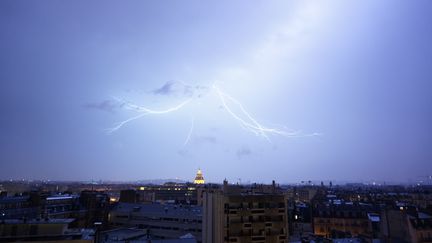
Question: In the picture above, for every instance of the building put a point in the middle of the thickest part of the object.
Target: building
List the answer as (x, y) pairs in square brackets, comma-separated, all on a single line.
[(163, 221), (420, 227), (235, 214), (182, 193), (200, 190), (406, 224), (87, 208), (96, 205), (15, 207), (303, 193), (199, 179), (338, 219), (299, 220), (42, 230), (129, 196)]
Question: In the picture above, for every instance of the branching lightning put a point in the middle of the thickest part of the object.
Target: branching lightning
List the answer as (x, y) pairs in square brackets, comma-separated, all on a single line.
[(252, 124), (144, 111), (147, 111), (190, 132), (120, 124), (245, 119)]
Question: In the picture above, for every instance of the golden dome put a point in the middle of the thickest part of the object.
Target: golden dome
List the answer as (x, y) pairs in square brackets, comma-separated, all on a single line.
[(199, 179)]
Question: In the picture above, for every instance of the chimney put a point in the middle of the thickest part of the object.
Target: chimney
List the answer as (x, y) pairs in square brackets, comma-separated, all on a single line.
[(273, 186), (225, 186)]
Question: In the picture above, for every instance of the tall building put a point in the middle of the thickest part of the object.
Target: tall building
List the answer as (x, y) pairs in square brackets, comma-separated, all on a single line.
[(199, 179), (236, 215)]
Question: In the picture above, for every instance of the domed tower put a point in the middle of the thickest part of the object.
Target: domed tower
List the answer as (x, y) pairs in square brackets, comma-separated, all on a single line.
[(199, 179)]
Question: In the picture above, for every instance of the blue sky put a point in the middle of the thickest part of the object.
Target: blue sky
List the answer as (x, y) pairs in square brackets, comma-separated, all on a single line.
[(357, 73)]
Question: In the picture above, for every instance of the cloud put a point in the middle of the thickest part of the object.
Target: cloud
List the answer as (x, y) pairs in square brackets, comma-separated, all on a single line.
[(242, 152), (106, 105), (174, 88), (166, 89), (181, 89)]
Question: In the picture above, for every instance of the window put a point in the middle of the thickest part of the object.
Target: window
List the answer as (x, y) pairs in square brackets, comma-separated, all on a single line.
[(258, 238), (14, 230), (257, 211), (33, 229)]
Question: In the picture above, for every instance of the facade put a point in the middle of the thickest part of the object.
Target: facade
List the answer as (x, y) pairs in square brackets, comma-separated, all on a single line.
[(340, 220), (206, 188), (231, 215), (96, 205), (299, 220)]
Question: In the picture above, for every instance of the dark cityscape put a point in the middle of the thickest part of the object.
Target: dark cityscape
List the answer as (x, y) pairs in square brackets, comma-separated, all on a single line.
[(194, 121), (197, 211)]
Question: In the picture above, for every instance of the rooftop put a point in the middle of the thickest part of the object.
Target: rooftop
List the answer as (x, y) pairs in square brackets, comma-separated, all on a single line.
[(134, 235), (38, 221)]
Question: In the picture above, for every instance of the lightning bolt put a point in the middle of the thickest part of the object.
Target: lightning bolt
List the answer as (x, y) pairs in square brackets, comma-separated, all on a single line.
[(245, 119), (147, 111), (144, 111), (190, 132), (120, 124), (251, 124)]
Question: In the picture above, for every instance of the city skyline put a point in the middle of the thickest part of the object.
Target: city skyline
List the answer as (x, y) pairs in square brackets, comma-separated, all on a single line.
[(262, 91)]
